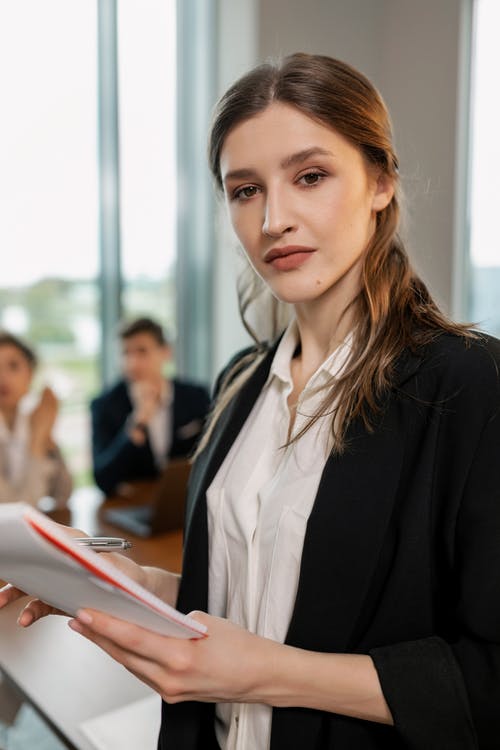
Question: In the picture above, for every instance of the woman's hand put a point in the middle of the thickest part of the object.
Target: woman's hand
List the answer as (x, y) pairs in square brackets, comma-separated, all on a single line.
[(43, 418), (230, 664), (233, 665)]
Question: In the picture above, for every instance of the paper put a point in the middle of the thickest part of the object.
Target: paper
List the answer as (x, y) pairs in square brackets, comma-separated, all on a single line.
[(129, 727), (38, 557)]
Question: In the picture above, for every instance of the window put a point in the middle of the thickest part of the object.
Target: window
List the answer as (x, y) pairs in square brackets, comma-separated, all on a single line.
[(53, 195), (484, 288), (146, 78), (48, 199)]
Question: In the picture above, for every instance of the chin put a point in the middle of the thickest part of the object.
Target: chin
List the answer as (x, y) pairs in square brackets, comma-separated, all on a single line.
[(297, 295)]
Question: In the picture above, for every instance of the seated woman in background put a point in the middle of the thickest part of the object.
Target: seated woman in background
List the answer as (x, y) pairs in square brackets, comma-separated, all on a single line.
[(31, 464)]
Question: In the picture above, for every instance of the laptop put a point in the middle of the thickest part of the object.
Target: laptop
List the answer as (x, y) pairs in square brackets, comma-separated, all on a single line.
[(165, 510)]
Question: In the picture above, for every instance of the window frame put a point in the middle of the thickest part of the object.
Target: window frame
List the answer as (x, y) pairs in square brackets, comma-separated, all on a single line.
[(196, 61)]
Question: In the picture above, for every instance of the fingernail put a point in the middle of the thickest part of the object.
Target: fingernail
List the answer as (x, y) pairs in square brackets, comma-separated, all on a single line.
[(84, 617), (75, 625), (25, 619)]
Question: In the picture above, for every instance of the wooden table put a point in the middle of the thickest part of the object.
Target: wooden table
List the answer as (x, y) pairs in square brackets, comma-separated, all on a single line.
[(64, 677), (86, 511)]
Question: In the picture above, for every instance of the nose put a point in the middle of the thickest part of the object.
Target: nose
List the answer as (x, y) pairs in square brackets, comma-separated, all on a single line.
[(277, 215)]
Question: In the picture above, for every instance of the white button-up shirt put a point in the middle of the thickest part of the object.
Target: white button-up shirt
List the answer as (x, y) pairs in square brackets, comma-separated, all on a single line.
[(258, 506)]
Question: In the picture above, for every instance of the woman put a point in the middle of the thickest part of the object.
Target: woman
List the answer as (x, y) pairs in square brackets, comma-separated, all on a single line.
[(31, 465), (343, 515)]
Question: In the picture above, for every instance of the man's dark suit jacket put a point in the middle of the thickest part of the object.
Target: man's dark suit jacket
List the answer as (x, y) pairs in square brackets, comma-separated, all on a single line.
[(401, 560), (116, 458)]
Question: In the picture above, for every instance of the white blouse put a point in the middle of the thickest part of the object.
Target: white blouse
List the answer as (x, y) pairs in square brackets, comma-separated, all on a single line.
[(24, 477), (258, 506)]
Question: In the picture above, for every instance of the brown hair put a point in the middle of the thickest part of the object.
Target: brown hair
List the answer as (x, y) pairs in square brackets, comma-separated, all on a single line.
[(393, 309), (8, 339), (144, 325)]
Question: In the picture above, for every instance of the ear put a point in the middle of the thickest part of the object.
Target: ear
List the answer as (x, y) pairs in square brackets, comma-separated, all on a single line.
[(384, 191)]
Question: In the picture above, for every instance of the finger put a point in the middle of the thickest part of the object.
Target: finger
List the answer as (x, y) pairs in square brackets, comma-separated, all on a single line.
[(145, 670), (138, 649), (202, 617), (126, 635), (10, 593), (35, 610)]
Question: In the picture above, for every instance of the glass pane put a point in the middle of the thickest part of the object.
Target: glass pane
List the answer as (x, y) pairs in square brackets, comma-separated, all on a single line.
[(485, 243), (147, 72), (48, 195)]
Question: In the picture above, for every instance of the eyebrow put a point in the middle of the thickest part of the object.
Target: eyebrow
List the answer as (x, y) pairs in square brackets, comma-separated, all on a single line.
[(301, 156), (288, 161)]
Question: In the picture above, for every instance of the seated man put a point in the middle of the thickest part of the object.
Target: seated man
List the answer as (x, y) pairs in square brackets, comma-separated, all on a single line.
[(145, 418)]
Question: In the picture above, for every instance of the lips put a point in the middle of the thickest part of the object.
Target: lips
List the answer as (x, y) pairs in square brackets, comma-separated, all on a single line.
[(289, 257)]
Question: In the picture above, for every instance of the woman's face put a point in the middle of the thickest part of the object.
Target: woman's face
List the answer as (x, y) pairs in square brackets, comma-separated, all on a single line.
[(302, 203), (15, 376)]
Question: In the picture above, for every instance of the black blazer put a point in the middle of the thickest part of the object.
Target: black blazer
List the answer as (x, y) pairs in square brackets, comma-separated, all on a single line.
[(116, 458), (401, 560)]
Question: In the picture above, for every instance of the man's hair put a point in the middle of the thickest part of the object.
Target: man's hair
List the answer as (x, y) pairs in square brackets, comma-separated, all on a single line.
[(144, 325), (8, 339)]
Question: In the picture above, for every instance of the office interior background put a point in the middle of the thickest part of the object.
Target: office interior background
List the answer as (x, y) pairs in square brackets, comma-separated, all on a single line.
[(107, 208)]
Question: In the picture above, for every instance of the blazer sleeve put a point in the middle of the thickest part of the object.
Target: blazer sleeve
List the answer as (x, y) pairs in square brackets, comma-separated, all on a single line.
[(114, 455), (190, 409), (444, 692)]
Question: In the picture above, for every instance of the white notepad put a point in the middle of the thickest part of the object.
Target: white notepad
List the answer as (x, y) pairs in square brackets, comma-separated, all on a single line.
[(132, 727), (38, 557)]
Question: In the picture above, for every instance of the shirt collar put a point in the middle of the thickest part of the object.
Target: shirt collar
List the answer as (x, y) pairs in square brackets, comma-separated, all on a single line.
[(280, 367), (167, 393)]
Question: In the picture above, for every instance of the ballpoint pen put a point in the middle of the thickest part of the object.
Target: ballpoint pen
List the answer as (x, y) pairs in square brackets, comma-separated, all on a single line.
[(103, 543)]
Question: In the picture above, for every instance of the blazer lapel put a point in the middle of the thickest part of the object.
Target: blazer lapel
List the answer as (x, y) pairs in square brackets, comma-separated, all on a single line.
[(347, 527), (345, 532), (345, 535)]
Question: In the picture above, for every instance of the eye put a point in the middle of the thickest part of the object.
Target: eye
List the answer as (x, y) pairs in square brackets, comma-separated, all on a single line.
[(245, 193), (311, 178)]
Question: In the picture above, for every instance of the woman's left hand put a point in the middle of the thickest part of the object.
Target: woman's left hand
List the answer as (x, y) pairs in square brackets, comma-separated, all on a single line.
[(230, 664)]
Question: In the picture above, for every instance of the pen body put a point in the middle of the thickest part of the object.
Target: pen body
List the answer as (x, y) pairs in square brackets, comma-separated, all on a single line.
[(104, 543)]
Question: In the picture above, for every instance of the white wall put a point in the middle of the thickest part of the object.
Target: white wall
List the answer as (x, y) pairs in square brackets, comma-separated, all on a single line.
[(411, 50), (418, 72)]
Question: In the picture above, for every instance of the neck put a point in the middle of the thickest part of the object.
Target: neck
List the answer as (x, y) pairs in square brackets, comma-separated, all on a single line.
[(321, 330), (9, 414)]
